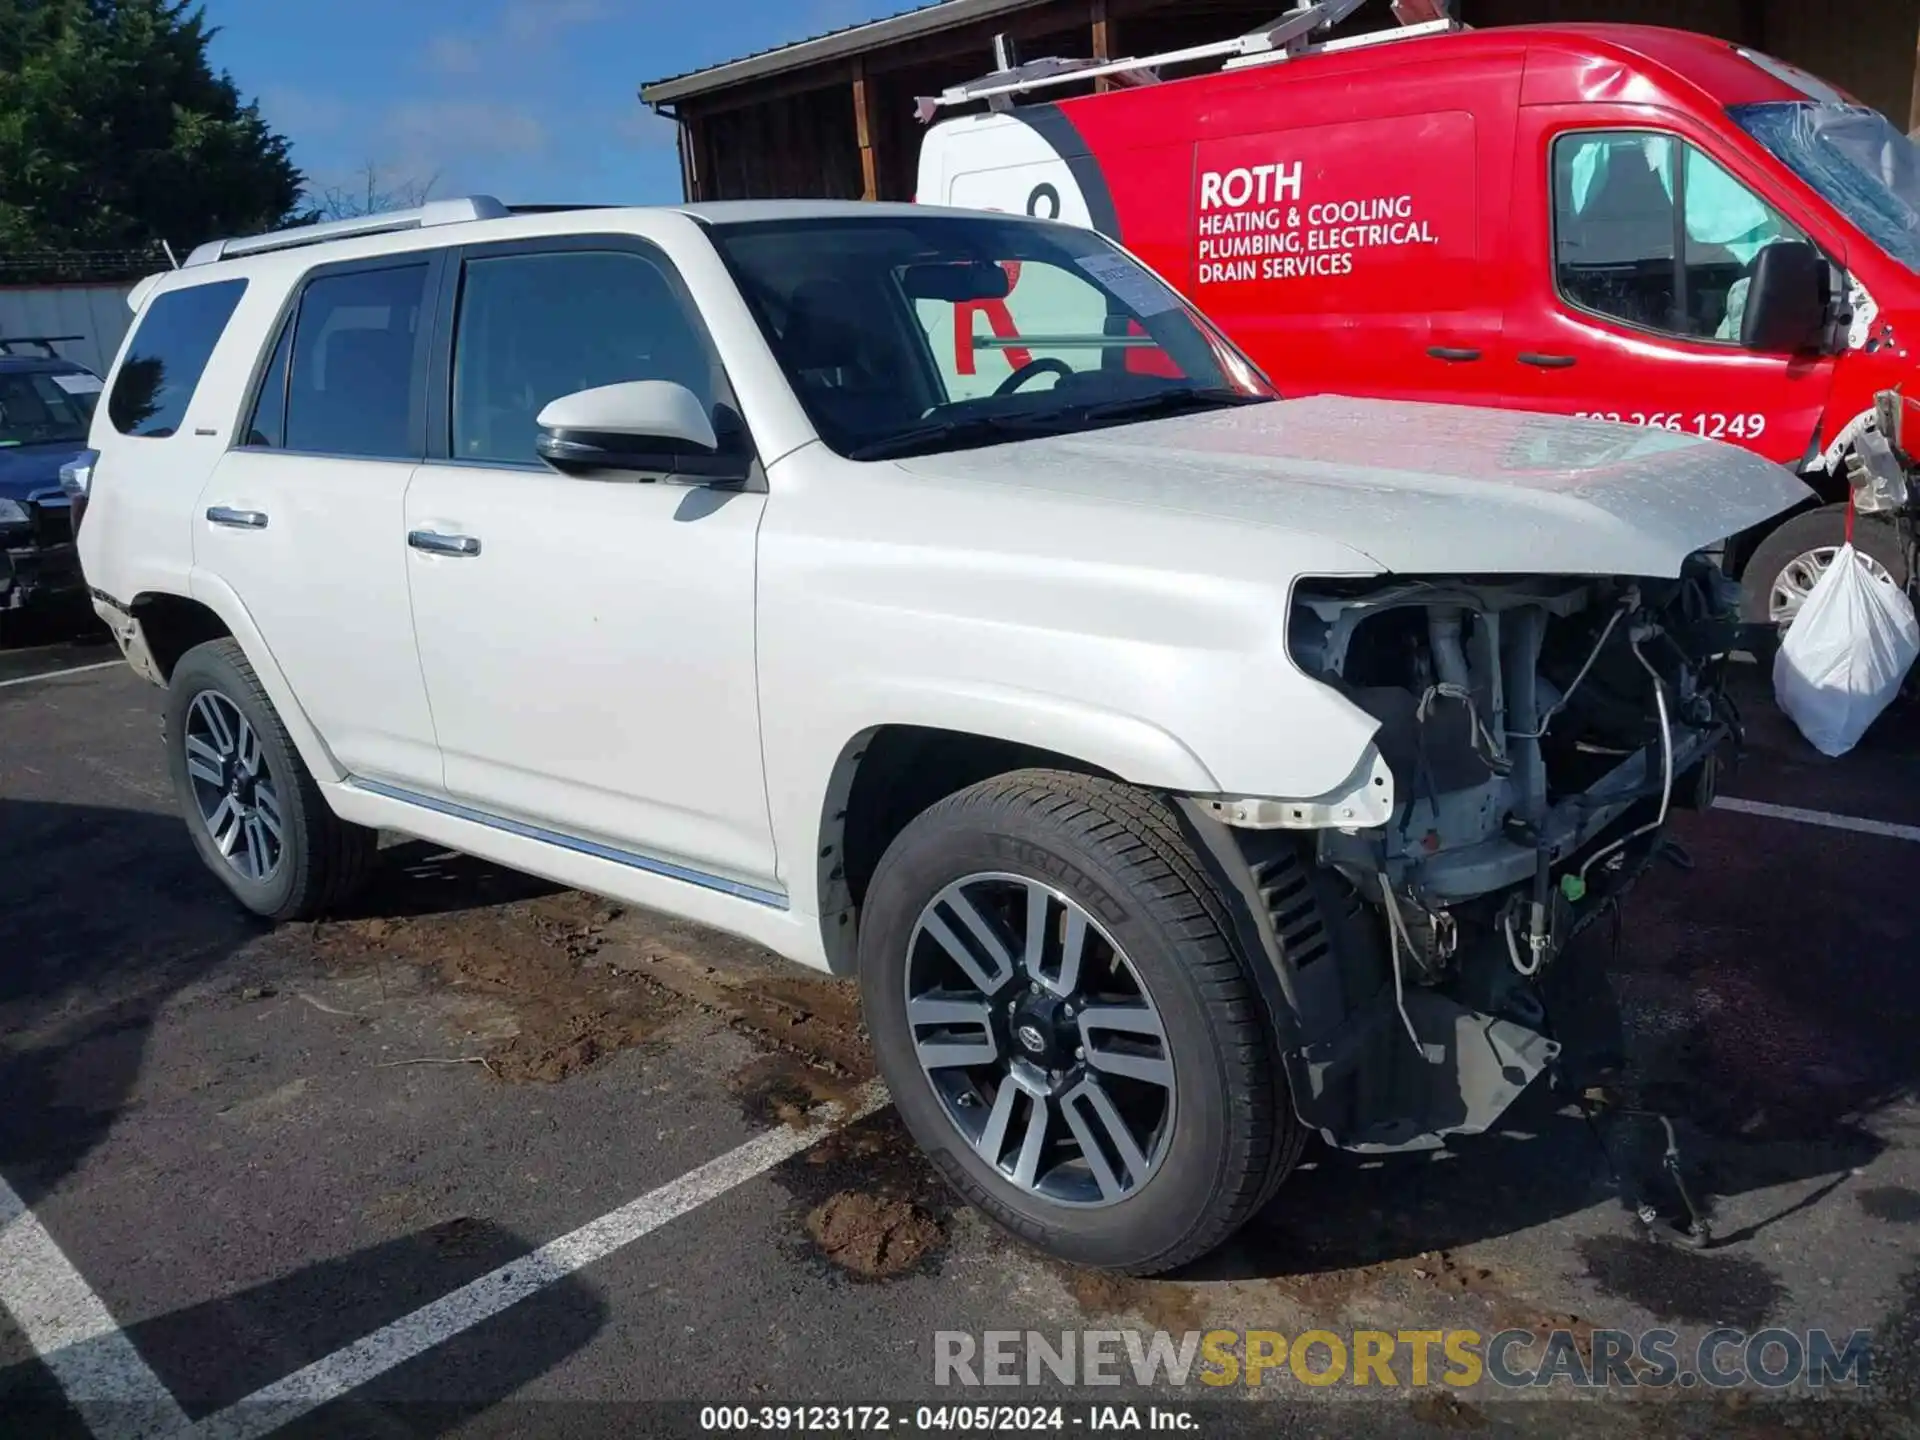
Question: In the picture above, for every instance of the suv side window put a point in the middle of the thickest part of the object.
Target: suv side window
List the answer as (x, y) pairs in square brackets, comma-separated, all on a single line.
[(535, 326), (350, 367), (1650, 231), (167, 356)]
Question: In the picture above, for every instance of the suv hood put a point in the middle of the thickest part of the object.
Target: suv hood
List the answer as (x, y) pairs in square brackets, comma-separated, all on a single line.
[(27, 469), (1415, 487)]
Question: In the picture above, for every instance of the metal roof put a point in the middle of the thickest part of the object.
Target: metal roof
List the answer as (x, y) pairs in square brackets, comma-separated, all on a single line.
[(839, 44)]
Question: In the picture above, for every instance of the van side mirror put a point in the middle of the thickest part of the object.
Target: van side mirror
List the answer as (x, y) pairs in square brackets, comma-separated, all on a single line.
[(652, 428), (1789, 299)]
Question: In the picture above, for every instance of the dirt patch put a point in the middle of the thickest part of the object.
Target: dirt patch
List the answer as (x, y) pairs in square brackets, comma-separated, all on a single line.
[(872, 1236), (1162, 1304), (812, 1018), (536, 960), (876, 1161), (1443, 1411), (783, 1089), (1328, 1293), (1677, 1284), (572, 978)]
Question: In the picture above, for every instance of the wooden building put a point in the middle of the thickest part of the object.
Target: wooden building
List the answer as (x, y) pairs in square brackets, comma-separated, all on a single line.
[(832, 116)]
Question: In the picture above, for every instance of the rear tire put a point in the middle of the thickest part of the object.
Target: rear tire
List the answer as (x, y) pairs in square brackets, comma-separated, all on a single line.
[(1157, 937), (254, 812), (1785, 564)]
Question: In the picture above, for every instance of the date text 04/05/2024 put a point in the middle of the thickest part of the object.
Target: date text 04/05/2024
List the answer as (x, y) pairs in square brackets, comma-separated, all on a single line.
[(942, 1419), (1713, 426)]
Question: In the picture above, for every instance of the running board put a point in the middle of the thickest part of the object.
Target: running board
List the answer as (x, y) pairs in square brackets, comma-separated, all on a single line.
[(632, 859)]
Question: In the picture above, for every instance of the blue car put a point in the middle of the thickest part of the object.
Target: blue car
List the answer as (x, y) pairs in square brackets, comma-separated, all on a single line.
[(46, 405)]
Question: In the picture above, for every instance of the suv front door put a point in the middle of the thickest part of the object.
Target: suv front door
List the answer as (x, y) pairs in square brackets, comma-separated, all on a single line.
[(588, 643), (1629, 282)]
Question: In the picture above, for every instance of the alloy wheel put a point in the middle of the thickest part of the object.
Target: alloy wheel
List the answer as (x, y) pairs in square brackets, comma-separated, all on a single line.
[(233, 786), (1796, 580), (1040, 1039)]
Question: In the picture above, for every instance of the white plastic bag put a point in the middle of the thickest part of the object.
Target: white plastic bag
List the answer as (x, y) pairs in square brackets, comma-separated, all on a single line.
[(1846, 654)]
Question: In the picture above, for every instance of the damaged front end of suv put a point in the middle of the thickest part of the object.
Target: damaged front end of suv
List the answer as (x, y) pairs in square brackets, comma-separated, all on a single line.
[(1534, 736)]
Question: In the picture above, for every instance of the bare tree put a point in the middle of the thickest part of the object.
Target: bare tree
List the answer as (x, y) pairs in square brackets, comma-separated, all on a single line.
[(370, 191)]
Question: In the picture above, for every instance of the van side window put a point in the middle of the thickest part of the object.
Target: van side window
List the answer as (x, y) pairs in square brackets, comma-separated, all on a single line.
[(534, 327), (350, 389), (167, 356), (1650, 231)]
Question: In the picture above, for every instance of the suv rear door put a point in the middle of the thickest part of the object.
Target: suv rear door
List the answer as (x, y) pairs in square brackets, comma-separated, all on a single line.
[(1632, 249), (588, 642), (304, 516)]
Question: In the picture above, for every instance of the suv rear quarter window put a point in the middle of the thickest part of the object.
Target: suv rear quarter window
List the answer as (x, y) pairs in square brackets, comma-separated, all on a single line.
[(167, 356)]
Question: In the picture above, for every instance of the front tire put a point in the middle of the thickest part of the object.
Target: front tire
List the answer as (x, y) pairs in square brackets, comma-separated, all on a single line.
[(251, 806), (1066, 1026), (1785, 565)]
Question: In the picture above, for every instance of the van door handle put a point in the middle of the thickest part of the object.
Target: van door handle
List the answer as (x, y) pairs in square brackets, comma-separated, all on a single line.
[(1547, 362), (435, 543), (1446, 352), (237, 519)]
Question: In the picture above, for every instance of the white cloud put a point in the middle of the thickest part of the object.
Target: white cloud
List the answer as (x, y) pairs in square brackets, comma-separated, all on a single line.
[(443, 129)]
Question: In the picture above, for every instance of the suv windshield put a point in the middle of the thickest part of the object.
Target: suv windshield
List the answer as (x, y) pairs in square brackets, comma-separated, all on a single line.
[(42, 408), (1858, 162), (906, 334)]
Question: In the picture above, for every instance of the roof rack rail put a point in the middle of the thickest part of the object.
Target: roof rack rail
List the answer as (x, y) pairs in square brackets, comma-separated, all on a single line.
[(434, 212), (1286, 37), (44, 342)]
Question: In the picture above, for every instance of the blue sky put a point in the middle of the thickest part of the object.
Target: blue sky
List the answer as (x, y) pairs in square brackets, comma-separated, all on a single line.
[(530, 100)]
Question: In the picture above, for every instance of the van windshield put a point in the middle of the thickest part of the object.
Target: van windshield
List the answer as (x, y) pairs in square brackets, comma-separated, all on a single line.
[(1857, 161), (907, 334)]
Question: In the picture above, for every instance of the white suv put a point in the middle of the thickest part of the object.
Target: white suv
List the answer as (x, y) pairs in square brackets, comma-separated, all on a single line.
[(1182, 771)]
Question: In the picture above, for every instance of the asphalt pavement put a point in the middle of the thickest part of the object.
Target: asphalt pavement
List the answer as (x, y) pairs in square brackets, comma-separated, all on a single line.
[(250, 1166)]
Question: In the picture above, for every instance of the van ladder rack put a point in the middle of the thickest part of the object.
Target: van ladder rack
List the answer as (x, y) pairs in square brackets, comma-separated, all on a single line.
[(385, 222), (1286, 37)]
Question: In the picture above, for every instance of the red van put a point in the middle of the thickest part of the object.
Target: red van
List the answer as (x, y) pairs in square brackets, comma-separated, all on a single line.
[(1634, 224)]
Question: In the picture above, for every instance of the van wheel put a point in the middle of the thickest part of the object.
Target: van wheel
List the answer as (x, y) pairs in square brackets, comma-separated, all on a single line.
[(1786, 564), (255, 815), (1066, 1026)]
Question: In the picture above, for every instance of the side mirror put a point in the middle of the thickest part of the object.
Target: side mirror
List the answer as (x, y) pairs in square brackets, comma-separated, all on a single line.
[(648, 426), (1789, 299)]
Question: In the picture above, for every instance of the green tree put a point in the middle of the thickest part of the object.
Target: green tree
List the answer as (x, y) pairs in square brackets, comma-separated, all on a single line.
[(116, 133)]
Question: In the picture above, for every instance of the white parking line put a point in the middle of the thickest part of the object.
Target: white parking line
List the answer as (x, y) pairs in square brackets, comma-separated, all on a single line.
[(1823, 818), (96, 1366), (56, 674), (354, 1365)]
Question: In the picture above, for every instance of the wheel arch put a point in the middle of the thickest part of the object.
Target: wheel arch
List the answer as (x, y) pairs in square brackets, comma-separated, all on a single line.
[(889, 773), (212, 611)]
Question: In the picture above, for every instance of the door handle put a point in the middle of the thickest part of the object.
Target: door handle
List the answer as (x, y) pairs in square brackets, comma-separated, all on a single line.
[(435, 543), (1547, 362), (1447, 352), (237, 519)]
